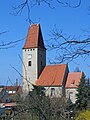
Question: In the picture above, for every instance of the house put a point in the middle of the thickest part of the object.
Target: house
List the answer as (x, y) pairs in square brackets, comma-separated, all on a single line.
[(8, 94), (73, 80), (12, 90), (56, 79)]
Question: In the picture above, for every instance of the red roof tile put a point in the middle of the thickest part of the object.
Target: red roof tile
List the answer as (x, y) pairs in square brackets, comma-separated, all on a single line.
[(13, 88), (10, 104), (34, 38), (52, 75), (73, 79)]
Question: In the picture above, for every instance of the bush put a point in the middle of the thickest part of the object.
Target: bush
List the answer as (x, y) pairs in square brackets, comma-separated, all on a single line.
[(83, 115)]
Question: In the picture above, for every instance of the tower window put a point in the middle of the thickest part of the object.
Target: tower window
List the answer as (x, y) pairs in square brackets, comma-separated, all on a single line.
[(29, 63), (29, 56)]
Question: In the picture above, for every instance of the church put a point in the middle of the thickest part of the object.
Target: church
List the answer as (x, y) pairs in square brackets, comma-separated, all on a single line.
[(56, 79)]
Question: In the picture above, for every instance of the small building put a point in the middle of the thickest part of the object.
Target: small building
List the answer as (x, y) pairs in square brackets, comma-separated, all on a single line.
[(72, 83), (8, 93), (12, 90)]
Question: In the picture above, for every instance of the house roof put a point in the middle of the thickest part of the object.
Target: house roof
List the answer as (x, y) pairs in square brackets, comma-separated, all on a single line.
[(13, 88), (12, 104), (34, 38), (73, 79), (52, 75)]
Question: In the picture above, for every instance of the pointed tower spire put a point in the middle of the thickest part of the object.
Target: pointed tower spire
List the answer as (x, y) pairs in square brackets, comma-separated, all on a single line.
[(34, 57), (34, 38)]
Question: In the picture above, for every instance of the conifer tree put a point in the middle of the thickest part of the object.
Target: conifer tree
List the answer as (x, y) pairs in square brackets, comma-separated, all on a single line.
[(82, 96), (88, 93)]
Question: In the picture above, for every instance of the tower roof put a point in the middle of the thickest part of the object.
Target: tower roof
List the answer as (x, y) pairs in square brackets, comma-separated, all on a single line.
[(34, 37)]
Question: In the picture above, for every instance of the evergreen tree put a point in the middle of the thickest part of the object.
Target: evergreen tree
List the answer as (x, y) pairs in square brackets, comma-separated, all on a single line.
[(88, 93), (82, 94), (69, 105)]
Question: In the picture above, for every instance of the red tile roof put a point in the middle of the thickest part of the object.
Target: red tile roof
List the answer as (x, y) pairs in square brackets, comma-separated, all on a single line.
[(52, 75), (34, 38), (73, 79), (12, 104), (13, 88)]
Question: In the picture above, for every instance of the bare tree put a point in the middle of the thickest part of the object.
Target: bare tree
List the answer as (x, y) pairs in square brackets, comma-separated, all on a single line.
[(68, 48), (10, 44), (41, 107), (28, 4)]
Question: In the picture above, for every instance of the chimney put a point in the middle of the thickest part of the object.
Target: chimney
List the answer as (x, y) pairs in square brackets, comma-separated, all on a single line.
[(16, 82)]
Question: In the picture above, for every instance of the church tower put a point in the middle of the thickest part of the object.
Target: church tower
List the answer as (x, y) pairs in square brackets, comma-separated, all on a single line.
[(34, 57)]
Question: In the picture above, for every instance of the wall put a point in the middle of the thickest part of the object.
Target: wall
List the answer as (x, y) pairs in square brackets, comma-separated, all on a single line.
[(57, 92), (41, 60), (29, 72), (71, 92)]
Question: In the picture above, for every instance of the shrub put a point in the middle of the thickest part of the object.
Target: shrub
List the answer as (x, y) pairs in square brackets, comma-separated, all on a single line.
[(83, 115)]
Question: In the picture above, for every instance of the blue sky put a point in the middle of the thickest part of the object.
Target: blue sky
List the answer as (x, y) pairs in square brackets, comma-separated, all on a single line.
[(70, 20)]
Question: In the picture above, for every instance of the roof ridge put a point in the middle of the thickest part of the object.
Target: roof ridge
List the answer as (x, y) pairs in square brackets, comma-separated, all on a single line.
[(75, 72), (55, 65)]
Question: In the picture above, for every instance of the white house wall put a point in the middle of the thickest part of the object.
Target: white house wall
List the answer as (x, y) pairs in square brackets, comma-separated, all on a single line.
[(58, 91), (71, 93)]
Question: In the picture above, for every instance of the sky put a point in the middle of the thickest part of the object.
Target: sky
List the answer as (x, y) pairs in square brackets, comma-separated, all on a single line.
[(71, 20)]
